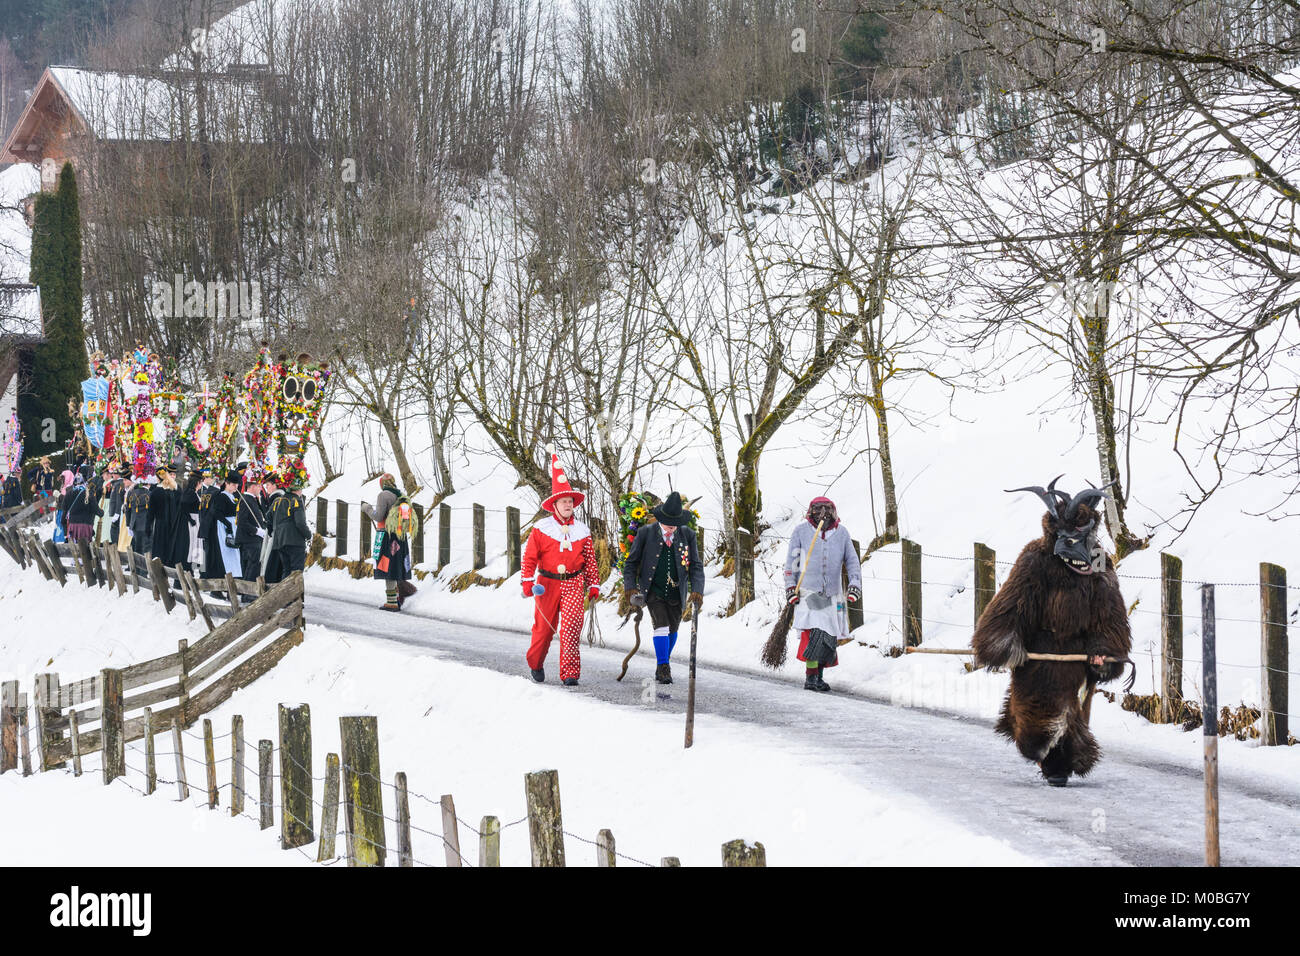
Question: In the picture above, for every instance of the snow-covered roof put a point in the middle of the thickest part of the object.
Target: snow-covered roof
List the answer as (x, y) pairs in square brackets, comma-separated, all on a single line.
[(20, 312), (155, 106)]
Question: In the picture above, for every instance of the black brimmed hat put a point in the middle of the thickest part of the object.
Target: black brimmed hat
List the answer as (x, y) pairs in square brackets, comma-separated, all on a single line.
[(671, 512)]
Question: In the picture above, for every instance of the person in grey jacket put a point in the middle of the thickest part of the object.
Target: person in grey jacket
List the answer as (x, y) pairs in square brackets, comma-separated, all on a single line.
[(820, 600), (663, 570)]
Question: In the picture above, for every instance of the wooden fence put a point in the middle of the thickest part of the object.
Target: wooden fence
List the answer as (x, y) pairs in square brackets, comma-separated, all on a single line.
[(376, 817), (1274, 651), (73, 719)]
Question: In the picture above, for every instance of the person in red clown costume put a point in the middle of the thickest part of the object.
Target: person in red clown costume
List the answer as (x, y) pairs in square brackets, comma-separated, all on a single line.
[(558, 570)]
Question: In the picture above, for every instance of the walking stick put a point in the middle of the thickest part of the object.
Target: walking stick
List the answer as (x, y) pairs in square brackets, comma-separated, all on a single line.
[(636, 628), (690, 694), (1032, 657)]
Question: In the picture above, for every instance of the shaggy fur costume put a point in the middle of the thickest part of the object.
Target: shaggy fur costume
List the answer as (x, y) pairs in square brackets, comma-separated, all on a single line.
[(1047, 607)]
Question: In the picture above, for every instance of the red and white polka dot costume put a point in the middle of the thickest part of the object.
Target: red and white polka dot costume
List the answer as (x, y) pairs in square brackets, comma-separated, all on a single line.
[(558, 549), (559, 557)]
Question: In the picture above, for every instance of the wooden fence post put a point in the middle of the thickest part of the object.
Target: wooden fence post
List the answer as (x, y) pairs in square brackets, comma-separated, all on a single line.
[(46, 695), (322, 516), (232, 593), (1171, 637), (83, 554), (670, 861), (444, 536), (295, 776), (8, 726), (417, 544), (489, 841), (178, 748), (329, 815), (986, 578), (744, 567), (1273, 655), (366, 525), (740, 853), (210, 761), (236, 765), (911, 593), (55, 564), (512, 541), (854, 608), (265, 799), (404, 856), (159, 577), (112, 724), (450, 832), (150, 758), (363, 794), (341, 528), (545, 825), (75, 738), (1210, 723), (605, 849), (480, 537), (24, 739), (183, 695)]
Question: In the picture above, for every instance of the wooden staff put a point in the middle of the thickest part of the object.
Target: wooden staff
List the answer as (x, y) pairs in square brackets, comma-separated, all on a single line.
[(1033, 657), (690, 694)]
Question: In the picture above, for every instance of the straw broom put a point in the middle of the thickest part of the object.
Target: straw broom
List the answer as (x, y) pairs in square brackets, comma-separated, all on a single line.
[(774, 649)]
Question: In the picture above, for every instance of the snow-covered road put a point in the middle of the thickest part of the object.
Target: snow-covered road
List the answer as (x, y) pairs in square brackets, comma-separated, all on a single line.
[(1134, 809)]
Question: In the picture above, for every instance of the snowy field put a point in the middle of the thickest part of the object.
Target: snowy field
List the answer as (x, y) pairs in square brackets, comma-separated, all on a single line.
[(452, 729)]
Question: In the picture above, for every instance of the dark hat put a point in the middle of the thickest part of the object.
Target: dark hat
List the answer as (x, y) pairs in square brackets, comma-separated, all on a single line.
[(161, 469), (670, 512), (205, 473), (234, 478)]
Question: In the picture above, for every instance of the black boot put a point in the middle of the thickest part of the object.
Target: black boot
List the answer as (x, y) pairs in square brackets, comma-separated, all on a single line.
[(810, 681), (821, 684), (539, 675), (664, 674), (570, 682), (1056, 766)]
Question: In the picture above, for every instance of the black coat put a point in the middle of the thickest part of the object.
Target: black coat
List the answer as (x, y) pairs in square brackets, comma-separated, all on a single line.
[(169, 526), (136, 513), (643, 557), (249, 519), (289, 521), (11, 496), (205, 498), (82, 507)]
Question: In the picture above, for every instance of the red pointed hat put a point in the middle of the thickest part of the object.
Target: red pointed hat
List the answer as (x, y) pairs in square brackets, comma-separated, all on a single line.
[(560, 487)]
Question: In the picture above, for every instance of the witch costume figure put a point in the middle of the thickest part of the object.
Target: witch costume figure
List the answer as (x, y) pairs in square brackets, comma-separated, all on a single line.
[(819, 603)]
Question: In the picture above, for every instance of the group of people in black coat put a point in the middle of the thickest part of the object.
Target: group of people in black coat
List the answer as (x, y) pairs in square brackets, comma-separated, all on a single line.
[(204, 526), (252, 528)]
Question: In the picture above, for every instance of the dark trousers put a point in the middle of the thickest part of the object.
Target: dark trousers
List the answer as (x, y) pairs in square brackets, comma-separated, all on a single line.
[(290, 558), (250, 560)]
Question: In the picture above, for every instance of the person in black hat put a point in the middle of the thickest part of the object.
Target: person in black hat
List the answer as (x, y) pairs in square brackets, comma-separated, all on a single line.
[(222, 555), (662, 572), (250, 528), (289, 532)]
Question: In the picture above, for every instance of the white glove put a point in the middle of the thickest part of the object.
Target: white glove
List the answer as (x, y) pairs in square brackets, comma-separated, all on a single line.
[(261, 532)]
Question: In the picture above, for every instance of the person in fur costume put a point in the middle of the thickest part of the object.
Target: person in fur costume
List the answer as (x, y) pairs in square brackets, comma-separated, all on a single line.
[(1061, 597), (819, 602), (558, 567)]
